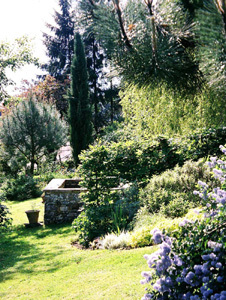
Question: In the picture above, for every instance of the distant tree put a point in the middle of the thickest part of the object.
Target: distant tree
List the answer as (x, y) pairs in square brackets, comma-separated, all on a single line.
[(12, 57), (60, 44), (50, 90), (80, 113), (31, 132)]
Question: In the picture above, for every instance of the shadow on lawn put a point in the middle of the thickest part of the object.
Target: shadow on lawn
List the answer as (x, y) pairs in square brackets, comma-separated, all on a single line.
[(22, 249)]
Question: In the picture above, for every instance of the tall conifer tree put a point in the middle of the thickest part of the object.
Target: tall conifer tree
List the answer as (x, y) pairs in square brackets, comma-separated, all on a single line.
[(80, 114), (60, 44)]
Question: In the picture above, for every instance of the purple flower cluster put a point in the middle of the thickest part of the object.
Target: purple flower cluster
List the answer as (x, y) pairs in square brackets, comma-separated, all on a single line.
[(174, 273), (218, 195)]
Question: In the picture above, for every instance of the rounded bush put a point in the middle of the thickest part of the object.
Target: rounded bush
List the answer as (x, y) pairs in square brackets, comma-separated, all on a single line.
[(21, 188)]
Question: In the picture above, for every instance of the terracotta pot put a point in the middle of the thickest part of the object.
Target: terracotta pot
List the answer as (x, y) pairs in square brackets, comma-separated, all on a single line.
[(32, 216)]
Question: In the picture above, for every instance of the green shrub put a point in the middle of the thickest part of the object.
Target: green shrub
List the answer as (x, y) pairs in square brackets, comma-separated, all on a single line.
[(111, 212), (177, 207), (129, 160), (145, 222), (172, 191), (201, 143), (141, 237), (21, 188), (5, 220)]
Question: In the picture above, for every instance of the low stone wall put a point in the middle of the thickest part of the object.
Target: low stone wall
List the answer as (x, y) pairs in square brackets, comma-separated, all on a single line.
[(62, 203)]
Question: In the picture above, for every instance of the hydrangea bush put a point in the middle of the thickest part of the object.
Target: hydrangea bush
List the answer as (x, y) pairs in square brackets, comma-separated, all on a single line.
[(191, 263)]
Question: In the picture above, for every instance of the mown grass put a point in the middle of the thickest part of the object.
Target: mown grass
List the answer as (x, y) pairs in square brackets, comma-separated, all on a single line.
[(41, 263)]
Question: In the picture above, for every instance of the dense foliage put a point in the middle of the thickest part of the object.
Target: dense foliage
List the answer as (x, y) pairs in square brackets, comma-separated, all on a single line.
[(129, 160), (21, 188), (171, 192), (105, 210), (191, 264), (201, 143), (31, 132), (162, 110), (133, 158), (5, 219)]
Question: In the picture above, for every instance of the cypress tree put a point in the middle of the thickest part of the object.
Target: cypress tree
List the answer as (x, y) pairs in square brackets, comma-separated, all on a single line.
[(80, 114)]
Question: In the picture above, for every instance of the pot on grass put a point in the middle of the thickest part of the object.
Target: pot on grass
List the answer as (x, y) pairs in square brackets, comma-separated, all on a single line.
[(32, 216)]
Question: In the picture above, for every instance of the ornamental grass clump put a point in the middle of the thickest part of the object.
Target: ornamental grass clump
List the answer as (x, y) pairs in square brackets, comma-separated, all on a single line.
[(190, 264), (116, 241)]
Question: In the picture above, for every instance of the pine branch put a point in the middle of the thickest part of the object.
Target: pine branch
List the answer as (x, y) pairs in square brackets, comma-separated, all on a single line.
[(221, 5), (149, 5), (119, 13)]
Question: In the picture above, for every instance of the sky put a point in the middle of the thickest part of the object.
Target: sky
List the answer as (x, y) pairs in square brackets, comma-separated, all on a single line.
[(26, 17)]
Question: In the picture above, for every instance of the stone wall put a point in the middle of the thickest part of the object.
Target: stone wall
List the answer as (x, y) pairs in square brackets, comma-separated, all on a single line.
[(62, 205)]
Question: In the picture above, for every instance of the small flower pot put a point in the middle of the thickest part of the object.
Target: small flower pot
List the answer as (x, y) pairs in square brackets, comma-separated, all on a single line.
[(32, 216)]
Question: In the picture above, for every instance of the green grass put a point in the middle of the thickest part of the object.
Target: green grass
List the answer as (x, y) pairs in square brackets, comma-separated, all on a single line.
[(40, 263)]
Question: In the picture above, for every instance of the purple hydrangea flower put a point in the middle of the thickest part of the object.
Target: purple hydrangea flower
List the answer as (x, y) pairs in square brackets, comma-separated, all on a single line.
[(223, 149), (206, 257), (147, 297), (189, 279), (147, 277), (220, 279), (198, 269), (218, 265), (215, 246), (177, 261), (157, 236), (165, 248)]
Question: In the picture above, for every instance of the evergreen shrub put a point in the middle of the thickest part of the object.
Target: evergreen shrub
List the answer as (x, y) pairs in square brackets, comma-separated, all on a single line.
[(21, 188), (5, 220), (172, 191)]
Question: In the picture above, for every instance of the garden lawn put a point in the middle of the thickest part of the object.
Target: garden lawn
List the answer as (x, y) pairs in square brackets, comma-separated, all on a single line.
[(40, 263)]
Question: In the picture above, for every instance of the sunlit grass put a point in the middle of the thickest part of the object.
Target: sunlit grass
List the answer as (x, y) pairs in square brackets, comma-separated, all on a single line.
[(18, 209), (40, 263)]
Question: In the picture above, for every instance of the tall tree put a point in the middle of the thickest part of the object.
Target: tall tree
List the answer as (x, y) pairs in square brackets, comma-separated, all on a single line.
[(60, 44), (80, 113)]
